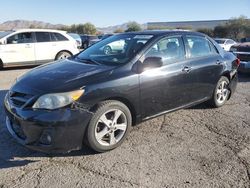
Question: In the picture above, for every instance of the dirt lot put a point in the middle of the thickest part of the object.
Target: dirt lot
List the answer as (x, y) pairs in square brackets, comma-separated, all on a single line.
[(196, 147)]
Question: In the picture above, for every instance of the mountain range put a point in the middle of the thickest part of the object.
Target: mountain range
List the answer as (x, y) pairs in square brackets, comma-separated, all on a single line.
[(20, 24)]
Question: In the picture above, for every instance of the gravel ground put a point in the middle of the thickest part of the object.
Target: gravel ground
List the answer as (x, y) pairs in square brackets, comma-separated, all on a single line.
[(195, 147)]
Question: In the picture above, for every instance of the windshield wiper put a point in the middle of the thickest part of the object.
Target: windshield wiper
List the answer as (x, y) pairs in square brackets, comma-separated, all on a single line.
[(88, 61)]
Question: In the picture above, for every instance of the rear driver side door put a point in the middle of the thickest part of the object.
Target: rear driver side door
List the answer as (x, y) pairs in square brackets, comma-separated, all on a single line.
[(206, 63)]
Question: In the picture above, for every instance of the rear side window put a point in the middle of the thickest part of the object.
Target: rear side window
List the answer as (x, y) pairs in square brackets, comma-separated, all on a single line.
[(20, 38), (43, 37), (200, 46), (58, 37)]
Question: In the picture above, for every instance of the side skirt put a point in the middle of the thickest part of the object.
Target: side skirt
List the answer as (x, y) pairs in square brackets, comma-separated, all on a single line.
[(178, 108)]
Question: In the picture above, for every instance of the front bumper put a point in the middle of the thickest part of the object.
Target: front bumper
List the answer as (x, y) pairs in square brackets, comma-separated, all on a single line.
[(56, 131)]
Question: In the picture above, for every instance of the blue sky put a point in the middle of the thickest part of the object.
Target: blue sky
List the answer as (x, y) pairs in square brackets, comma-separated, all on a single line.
[(113, 12)]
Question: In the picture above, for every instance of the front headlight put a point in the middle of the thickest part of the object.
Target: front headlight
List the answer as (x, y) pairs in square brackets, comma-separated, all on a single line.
[(57, 100)]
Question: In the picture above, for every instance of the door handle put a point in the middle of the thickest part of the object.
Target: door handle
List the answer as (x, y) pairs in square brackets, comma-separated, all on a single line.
[(186, 69), (27, 46), (218, 62)]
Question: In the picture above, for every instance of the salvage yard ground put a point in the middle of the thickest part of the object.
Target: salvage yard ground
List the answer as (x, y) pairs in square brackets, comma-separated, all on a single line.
[(195, 147)]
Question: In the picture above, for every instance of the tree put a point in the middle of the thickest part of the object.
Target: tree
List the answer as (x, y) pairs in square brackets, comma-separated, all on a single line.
[(119, 30), (238, 27), (221, 31), (207, 31), (133, 26), (88, 28)]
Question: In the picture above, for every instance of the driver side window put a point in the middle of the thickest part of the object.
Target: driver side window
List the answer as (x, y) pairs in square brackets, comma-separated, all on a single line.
[(170, 49), (20, 38)]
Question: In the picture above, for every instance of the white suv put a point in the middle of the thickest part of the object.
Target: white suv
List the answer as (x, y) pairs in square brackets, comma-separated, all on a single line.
[(34, 46)]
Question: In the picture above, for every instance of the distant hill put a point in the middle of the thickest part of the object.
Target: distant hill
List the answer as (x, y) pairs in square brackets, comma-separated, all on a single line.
[(20, 24), (111, 29)]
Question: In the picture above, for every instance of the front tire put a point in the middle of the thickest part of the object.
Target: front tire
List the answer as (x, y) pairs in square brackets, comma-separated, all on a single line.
[(109, 126), (221, 93)]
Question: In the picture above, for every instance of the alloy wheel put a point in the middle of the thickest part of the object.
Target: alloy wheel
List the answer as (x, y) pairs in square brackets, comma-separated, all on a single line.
[(111, 127), (222, 92)]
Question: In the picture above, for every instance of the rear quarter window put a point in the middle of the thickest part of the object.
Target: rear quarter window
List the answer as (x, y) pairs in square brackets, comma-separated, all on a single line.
[(58, 37)]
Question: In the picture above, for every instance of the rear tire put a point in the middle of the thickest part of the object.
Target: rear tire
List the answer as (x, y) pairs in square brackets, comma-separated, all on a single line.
[(109, 126), (221, 93), (63, 55), (107, 50)]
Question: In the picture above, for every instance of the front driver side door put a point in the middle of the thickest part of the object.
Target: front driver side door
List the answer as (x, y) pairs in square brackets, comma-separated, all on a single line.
[(19, 48), (170, 86)]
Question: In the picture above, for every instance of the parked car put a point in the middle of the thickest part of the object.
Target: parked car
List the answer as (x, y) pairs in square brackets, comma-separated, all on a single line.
[(242, 51), (100, 38), (225, 43), (87, 40), (78, 39), (96, 97), (246, 39), (34, 46)]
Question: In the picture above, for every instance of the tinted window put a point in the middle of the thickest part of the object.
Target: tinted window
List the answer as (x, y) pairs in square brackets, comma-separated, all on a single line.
[(58, 37), (200, 46), (20, 38), (42, 37), (170, 49)]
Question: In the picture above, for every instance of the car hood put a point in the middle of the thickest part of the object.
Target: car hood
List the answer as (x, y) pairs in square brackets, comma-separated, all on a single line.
[(61, 76)]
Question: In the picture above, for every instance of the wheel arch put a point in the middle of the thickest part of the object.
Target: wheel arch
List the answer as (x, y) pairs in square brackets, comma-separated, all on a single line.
[(63, 51), (227, 74), (125, 101)]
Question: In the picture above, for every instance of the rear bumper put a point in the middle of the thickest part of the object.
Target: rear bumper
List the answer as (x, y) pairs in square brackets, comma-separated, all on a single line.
[(57, 131)]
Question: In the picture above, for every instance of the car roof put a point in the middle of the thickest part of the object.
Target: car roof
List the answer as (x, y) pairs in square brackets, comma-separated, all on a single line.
[(166, 32)]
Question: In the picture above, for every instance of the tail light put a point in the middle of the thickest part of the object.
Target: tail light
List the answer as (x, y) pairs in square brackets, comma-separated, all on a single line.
[(237, 62)]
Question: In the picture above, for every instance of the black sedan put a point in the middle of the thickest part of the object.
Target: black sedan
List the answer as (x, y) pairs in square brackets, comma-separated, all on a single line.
[(95, 97)]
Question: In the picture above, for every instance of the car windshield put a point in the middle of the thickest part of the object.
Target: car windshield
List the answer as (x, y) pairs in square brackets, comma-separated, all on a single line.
[(115, 50), (220, 41), (4, 33)]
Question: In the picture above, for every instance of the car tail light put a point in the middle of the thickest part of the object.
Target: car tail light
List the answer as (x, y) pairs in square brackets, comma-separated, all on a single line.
[(238, 62)]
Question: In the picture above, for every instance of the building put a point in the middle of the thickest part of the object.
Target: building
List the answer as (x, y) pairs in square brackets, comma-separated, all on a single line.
[(187, 24)]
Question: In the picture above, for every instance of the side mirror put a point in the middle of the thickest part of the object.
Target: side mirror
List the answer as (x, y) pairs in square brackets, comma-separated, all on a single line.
[(152, 62)]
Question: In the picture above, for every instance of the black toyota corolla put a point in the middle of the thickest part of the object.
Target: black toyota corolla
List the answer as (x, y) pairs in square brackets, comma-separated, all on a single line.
[(96, 96)]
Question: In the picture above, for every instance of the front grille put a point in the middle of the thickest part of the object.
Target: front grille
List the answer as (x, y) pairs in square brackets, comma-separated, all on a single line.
[(19, 99), (18, 130)]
